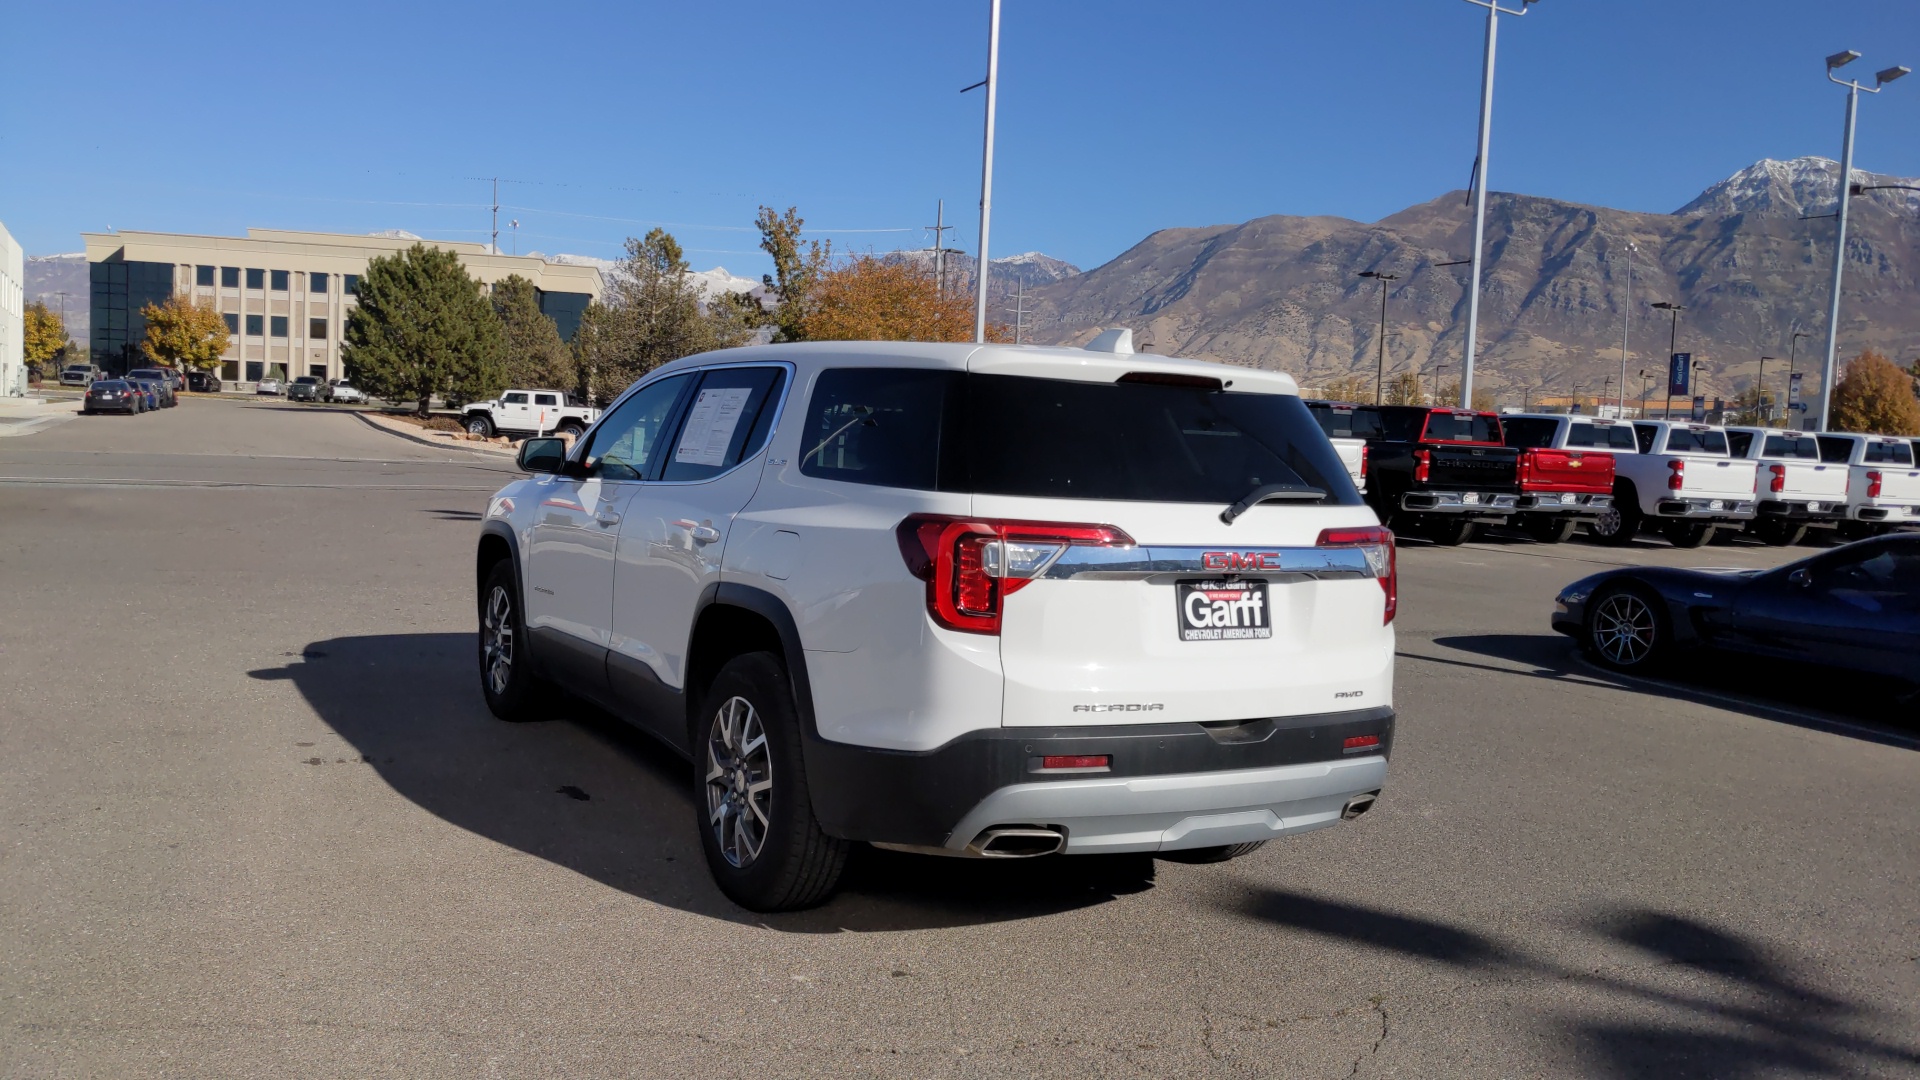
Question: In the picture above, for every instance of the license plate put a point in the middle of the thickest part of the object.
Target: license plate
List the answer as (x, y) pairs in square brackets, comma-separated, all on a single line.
[(1716, 504), (1471, 498), (1813, 508), (1569, 498), (1223, 610)]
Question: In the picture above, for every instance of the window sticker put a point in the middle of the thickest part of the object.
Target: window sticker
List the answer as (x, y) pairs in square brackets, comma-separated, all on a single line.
[(710, 426)]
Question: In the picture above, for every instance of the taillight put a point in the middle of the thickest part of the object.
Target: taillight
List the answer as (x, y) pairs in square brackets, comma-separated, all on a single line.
[(1376, 544), (1524, 472), (1779, 481), (1422, 466), (1679, 478), (1873, 485), (971, 566), (1363, 461)]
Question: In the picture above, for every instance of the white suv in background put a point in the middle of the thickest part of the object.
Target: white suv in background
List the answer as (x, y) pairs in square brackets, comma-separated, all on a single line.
[(988, 601)]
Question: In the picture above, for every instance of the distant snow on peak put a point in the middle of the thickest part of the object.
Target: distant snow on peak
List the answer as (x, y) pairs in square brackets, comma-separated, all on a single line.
[(1802, 185), (707, 282), (395, 234)]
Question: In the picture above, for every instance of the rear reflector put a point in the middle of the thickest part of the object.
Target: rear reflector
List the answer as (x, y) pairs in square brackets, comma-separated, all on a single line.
[(1361, 742), (1076, 761)]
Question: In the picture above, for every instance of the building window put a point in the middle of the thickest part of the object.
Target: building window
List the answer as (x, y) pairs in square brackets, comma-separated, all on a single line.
[(233, 322), (256, 279), (256, 325), (279, 325), (318, 371), (317, 283), (280, 278), (317, 329), (203, 275), (254, 370), (229, 277), (230, 371), (353, 285)]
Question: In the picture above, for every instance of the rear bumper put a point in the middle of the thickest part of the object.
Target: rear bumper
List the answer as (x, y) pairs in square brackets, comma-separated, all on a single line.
[(1802, 509), (1477, 503), (1711, 509), (1169, 786), (1887, 513), (1564, 502)]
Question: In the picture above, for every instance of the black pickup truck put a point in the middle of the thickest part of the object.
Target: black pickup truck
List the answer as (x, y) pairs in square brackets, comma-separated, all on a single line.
[(1437, 473)]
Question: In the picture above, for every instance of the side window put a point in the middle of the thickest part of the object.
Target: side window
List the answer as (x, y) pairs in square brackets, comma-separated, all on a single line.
[(514, 399), (1645, 434), (1741, 441), (879, 426), (728, 418), (1886, 581), (622, 446), (546, 399)]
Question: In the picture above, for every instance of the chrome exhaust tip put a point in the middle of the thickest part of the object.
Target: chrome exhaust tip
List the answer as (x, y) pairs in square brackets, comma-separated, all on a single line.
[(1358, 805), (1017, 843)]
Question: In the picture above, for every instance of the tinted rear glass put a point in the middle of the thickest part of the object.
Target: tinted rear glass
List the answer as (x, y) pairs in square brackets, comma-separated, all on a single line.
[(1792, 446), (1599, 436), (878, 426), (1530, 433), (1688, 441), (1345, 421), (1452, 427), (1888, 453)]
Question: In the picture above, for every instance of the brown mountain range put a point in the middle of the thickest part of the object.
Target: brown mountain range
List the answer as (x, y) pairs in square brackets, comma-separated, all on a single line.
[(1282, 292)]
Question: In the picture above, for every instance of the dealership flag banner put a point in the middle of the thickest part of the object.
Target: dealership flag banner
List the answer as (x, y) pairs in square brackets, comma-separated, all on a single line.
[(1678, 372)]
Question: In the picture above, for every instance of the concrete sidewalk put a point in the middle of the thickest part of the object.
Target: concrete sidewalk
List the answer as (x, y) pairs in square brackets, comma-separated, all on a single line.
[(26, 415), (443, 440)]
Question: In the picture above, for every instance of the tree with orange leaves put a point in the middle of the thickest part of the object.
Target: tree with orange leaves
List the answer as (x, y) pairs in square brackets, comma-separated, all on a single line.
[(888, 299)]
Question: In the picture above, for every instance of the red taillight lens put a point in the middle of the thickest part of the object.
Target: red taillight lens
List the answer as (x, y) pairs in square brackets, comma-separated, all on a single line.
[(1779, 481), (1377, 543), (1361, 742), (1422, 465), (1679, 478), (971, 566), (1363, 461), (1076, 761), (1873, 485)]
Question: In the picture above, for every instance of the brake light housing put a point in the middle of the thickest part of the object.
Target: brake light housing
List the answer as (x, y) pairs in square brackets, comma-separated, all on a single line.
[(1873, 484), (972, 565), (1677, 479), (1422, 465), (1377, 544), (1779, 481)]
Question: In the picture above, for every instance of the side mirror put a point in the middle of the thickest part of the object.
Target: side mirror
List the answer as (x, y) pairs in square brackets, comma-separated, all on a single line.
[(1801, 577), (542, 455)]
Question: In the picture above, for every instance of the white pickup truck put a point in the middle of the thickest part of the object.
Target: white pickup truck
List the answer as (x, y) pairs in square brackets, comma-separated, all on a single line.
[(1796, 489), (1683, 482), (528, 412), (1883, 484), (1336, 420)]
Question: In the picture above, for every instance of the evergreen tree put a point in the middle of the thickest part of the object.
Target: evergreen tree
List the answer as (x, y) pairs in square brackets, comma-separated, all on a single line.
[(797, 266), (423, 327), (535, 357), (654, 313)]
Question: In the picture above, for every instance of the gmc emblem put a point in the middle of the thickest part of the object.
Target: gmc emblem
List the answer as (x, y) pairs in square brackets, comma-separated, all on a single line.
[(1241, 560)]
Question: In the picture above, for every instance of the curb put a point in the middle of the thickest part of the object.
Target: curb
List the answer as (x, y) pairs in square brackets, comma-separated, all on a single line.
[(373, 421)]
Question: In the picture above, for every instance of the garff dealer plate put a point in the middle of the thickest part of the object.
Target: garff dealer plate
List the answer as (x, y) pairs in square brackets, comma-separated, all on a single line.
[(1223, 610)]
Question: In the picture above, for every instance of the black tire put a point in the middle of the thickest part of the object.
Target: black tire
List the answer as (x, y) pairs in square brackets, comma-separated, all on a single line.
[(1450, 531), (1220, 854), (1549, 529), (513, 692), (1857, 530), (1617, 526), (782, 861), (1688, 534), (481, 426), (1626, 629), (570, 428)]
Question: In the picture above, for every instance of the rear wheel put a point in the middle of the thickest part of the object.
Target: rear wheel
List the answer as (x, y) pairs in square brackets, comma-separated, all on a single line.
[(1619, 523), (1778, 533), (1857, 530), (764, 847), (480, 425), (1549, 530), (1688, 534), (572, 429), (1625, 629), (1218, 854), (1450, 531)]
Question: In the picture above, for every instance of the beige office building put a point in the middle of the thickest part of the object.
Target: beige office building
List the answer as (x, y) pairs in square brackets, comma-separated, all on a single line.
[(285, 295)]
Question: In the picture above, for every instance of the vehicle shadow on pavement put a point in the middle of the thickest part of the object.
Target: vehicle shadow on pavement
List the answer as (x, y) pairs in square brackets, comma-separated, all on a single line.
[(1852, 707), (594, 795), (1724, 1005)]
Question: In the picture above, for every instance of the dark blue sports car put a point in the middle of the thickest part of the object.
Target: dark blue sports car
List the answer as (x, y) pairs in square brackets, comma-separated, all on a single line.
[(1855, 608)]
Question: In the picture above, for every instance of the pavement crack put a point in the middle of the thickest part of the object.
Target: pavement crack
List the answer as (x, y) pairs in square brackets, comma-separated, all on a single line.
[(1379, 1006)]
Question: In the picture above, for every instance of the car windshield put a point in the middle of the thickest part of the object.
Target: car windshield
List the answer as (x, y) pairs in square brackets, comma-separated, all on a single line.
[(145, 373), (307, 380)]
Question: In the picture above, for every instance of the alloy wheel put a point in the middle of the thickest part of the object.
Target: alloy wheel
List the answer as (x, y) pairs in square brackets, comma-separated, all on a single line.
[(1607, 524), (496, 637), (1623, 629), (739, 781)]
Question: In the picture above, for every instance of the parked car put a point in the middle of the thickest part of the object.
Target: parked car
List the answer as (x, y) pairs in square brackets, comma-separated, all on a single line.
[(1565, 471), (203, 382), (80, 375), (341, 390), (528, 412), (918, 595), (305, 388), (166, 377), (1795, 489), (1336, 420), (1437, 473), (1854, 608), (113, 395), (149, 392), (269, 386), (1883, 484), (1684, 482)]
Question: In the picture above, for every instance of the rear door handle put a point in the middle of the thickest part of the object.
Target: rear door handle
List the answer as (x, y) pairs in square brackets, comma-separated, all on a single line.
[(705, 534), (607, 517)]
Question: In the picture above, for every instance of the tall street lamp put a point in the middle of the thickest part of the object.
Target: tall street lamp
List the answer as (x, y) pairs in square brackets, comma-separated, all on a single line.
[(1793, 346), (1673, 346), (992, 83), (1646, 390), (1380, 368), (1880, 79), (1760, 395), (1494, 11), (1626, 322)]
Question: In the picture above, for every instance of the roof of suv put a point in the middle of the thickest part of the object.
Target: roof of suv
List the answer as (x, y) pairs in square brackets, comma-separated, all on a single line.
[(1033, 361)]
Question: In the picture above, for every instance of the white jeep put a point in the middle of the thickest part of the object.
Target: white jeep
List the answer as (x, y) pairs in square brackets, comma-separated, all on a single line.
[(528, 412), (966, 600)]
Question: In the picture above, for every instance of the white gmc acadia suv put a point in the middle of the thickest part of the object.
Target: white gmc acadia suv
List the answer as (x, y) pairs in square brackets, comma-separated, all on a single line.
[(968, 600)]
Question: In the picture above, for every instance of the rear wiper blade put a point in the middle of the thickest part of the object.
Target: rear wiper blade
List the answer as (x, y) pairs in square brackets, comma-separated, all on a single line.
[(1265, 492)]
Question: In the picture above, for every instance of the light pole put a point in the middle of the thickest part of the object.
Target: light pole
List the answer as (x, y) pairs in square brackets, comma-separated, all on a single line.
[(1494, 11), (1626, 322), (1793, 346), (1760, 396), (992, 84), (1646, 389), (1380, 367), (1673, 345), (1880, 79)]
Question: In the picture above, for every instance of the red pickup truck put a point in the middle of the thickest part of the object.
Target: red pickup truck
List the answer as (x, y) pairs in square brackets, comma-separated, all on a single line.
[(1566, 470)]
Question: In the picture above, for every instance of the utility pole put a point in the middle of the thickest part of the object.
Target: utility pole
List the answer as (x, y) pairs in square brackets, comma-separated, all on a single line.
[(1494, 11), (940, 227), (1760, 395), (495, 248), (1793, 347), (992, 84), (1020, 314), (1380, 366), (1626, 323)]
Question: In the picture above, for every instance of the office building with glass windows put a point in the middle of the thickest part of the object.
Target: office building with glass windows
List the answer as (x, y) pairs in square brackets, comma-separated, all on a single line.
[(285, 295)]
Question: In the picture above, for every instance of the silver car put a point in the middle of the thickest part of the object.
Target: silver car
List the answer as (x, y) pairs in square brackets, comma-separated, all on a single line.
[(268, 386), (343, 391)]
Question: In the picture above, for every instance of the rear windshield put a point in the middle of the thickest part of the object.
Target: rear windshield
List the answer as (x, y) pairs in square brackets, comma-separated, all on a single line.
[(144, 373), (1804, 447), (1462, 427), (1599, 436), (1529, 432), (1688, 441), (1888, 453), (1345, 421), (1056, 438)]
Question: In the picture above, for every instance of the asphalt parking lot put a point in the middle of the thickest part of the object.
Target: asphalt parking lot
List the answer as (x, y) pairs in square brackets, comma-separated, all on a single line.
[(258, 821)]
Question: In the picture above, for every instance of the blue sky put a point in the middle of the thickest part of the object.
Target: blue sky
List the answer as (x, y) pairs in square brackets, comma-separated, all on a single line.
[(1116, 118)]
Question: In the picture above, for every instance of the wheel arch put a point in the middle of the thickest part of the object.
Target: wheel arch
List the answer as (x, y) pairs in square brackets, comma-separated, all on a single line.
[(730, 620), (497, 542)]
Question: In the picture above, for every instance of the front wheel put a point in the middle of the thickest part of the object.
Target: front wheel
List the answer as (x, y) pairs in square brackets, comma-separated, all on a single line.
[(507, 680), (481, 426), (1625, 629), (1688, 534), (763, 845)]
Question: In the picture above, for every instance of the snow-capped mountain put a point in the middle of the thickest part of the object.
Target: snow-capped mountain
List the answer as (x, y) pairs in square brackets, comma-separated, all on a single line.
[(707, 281), (50, 275), (1804, 185), (1030, 268)]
